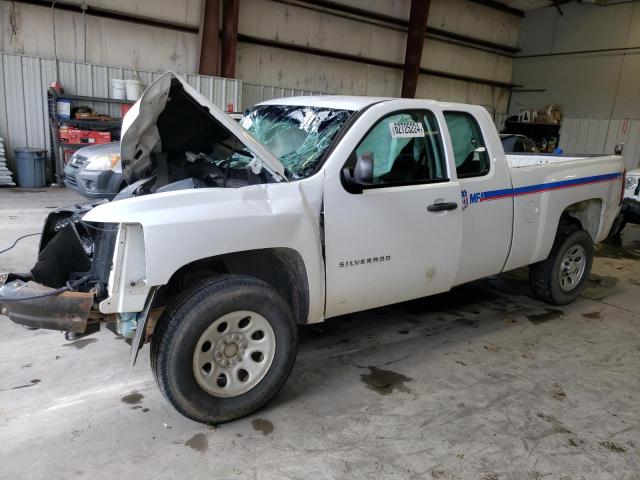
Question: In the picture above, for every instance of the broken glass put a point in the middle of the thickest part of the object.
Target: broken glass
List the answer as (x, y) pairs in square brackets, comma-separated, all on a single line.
[(298, 136)]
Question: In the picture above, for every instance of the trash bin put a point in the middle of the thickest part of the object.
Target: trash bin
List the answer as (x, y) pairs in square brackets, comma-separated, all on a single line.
[(30, 167)]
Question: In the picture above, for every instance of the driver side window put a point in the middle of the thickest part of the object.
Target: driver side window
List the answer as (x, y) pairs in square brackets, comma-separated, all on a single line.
[(406, 148)]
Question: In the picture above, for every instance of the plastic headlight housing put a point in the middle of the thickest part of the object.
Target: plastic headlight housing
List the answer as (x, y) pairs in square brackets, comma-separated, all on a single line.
[(103, 162), (631, 182)]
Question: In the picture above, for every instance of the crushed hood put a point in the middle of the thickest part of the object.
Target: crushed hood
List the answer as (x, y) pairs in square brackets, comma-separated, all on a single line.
[(172, 114)]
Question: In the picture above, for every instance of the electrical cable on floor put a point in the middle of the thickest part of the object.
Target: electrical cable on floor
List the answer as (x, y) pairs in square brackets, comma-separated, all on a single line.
[(17, 240), (67, 288)]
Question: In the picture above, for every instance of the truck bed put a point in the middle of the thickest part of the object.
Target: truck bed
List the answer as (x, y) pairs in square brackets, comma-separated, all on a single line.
[(544, 185), (520, 160)]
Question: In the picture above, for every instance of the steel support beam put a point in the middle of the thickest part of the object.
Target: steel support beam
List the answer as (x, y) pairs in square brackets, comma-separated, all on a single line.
[(230, 12), (210, 39), (366, 60), (413, 50), (369, 16), (500, 7), (76, 7)]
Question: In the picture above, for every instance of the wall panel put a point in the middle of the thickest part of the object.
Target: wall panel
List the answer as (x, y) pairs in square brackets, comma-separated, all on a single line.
[(601, 135), (23, 93)]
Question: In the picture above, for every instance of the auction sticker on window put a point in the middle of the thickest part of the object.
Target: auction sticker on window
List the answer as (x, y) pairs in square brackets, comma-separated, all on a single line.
[(406, 129)]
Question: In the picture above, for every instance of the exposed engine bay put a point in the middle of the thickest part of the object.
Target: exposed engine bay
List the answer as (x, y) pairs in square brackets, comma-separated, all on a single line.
[(191, 150), (71, 249), (69, 277)]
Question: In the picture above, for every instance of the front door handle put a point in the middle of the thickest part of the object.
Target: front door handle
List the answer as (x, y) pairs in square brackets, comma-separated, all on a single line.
[(441, 206)]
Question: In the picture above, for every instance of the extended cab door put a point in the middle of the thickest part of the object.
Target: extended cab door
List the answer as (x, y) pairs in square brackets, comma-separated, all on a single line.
[(487, 205), (398, 238)]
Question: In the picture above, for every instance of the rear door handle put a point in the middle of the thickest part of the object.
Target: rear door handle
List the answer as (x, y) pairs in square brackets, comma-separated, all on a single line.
[(441, 206)]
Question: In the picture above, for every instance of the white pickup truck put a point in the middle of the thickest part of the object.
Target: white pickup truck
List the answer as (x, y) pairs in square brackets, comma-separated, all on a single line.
[(228, 237)]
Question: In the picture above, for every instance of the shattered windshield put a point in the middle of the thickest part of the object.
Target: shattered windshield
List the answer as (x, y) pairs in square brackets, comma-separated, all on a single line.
[(298, 136)]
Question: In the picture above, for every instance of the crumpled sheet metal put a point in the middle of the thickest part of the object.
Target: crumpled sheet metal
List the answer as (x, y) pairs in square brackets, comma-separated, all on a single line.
[(66, 311)]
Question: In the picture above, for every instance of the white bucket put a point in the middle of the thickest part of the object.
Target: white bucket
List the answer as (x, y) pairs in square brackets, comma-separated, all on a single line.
[(118, 89), (134, 89), (63, 108)]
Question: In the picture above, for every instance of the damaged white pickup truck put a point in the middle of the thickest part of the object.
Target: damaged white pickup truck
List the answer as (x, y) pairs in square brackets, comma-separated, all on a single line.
[(229, 235)]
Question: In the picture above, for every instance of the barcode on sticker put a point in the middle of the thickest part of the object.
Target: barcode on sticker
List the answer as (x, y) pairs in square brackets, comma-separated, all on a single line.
[(406, 129)]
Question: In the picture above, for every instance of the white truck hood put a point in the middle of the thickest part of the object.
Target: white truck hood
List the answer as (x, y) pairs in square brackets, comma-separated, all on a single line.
[(141, 134)]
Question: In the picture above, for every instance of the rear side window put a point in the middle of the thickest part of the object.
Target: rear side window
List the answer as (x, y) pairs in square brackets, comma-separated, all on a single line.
[(469, 149), (406, 148)]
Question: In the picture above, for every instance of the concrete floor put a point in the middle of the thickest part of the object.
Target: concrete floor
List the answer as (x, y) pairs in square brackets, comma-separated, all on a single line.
[(481, 383)]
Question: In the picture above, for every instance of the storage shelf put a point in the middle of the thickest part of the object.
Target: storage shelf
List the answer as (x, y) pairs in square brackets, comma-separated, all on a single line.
[(92, 123), (82, 145), (58, 147), (89, 99)]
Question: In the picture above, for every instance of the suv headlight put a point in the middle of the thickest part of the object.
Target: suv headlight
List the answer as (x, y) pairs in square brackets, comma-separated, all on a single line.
[(103, 162), (632, 182)]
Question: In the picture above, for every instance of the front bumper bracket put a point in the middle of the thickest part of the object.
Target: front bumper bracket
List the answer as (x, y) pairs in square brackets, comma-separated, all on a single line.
[(67, 311)]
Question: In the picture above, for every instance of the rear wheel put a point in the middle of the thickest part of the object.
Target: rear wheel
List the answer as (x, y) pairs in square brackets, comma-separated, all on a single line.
[(562, 276), (224, 348)]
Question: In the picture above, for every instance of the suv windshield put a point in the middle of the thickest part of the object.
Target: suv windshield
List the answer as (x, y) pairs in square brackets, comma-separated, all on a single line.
[(297, 136)]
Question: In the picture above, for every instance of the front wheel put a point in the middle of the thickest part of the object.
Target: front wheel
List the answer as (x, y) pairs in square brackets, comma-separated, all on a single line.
[(562, 276), (224, 348)]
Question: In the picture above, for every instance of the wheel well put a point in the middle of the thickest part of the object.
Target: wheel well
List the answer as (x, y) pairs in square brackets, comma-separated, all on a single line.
[(282, 268), (585, 214)]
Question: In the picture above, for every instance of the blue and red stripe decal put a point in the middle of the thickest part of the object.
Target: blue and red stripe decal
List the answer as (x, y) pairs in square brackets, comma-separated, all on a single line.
[(547, 187)]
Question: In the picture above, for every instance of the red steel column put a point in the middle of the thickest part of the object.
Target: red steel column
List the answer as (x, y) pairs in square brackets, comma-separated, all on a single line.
[(415, 41), (210, 41), (230, 11)]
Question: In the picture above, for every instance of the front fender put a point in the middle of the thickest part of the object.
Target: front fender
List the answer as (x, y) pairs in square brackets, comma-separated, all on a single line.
[(178, 228)]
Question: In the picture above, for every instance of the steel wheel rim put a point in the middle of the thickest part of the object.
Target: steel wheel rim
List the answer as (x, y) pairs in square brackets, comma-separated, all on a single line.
[(572, 267), (234, 353)]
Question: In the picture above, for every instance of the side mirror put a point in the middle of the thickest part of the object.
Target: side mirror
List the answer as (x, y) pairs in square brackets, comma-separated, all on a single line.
[(361, 174), (618, 149), (363, 171)]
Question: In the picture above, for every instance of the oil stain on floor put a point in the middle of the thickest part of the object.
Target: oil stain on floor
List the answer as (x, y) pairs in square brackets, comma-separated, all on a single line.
[(600, 287), (31, 383), (81, 343), (613, 447), (385, 382), (614, 248), (198, 442), (549, 314), (132, 398), (262, 425)]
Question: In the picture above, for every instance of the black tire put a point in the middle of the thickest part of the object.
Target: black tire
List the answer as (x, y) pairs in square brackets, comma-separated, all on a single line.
[(544, 277), (184, 321)]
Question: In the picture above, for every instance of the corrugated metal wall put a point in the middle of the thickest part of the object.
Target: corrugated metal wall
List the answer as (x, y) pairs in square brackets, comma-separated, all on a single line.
[(23, 99), (601, 135), (253, 93)]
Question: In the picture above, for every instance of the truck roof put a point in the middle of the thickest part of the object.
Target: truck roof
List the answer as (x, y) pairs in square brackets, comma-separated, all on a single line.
[(349, 102), (341, 102)]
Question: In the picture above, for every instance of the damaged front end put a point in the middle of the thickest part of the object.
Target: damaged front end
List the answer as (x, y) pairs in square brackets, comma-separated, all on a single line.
[(70, 276)]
